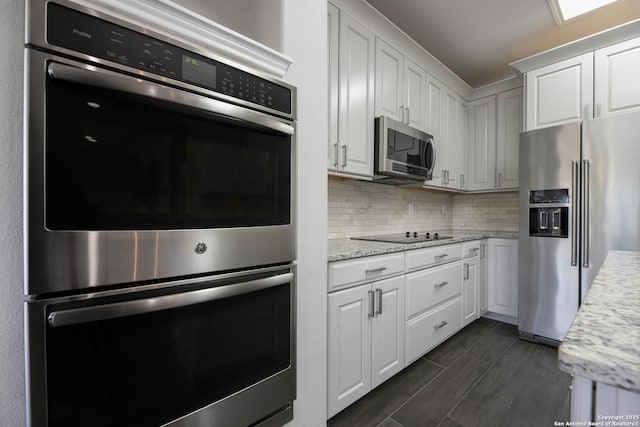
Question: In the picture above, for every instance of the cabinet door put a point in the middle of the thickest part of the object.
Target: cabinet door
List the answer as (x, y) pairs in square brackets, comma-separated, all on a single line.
[(470, 281), (387, 339), (508, 138), (450, 137), (617, 87), (503, 276), (435, 96), (333, 28), (389, 83), (415, 81), (482, 144), (355, 123), (462, 146), (559, 93), (349, 363), (483, 301)]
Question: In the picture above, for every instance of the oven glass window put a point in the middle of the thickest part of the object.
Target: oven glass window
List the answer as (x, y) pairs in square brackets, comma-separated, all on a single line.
[(119, 162), (149, 369)]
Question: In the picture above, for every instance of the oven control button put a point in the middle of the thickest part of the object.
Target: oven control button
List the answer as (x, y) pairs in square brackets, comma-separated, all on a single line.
[(200, 248)]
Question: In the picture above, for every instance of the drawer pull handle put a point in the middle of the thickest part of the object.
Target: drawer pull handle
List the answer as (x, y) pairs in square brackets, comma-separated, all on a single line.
[(440, 325), (375, 270), (474, 250), (441, 284), (441, 256)]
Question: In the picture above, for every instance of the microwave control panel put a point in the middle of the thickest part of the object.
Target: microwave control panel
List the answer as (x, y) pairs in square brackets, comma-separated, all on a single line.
[(76, 31)]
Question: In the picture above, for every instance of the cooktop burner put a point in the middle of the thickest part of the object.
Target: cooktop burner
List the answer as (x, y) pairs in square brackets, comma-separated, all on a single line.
[(408, 237)]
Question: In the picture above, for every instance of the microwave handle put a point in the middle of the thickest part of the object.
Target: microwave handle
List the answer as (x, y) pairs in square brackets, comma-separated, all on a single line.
[(75, 316), (114, 81)]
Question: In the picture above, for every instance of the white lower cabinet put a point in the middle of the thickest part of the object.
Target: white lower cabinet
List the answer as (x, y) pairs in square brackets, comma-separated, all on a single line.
[(503, 276), (429, 329), (483, 294), (366, 339), (470, 281), (386, 311)]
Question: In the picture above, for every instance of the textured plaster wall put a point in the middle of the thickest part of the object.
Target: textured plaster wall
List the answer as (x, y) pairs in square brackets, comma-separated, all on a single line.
[(12, 394)]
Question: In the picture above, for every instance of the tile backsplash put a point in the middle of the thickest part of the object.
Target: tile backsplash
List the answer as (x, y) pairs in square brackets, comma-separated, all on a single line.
[(360, 208), (486, 211)]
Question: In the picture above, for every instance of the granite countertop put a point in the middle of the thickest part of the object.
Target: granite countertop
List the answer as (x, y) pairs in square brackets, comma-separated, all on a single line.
[(341, 249), (603, 341)]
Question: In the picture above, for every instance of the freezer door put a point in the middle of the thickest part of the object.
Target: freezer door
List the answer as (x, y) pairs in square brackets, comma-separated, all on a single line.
[(611, 174), (548, 292)]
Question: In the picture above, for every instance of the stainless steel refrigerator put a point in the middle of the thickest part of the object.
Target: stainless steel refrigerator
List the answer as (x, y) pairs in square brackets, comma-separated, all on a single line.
[(579, 198)]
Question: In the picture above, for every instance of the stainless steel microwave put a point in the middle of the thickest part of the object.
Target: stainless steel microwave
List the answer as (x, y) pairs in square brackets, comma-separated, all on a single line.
[(402, 153)]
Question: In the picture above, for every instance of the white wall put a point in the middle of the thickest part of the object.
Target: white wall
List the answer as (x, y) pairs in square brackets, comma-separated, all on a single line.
[(305, 41), (12, 394), (259, 20)]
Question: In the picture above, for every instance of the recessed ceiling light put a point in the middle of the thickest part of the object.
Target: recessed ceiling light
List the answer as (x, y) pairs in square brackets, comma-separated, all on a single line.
[(563, 10)]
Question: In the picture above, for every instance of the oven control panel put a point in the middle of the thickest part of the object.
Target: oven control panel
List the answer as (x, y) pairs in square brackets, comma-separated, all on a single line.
[(76, 31)]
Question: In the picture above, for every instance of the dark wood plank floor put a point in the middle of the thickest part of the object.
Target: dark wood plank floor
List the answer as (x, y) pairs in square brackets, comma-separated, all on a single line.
[(482, 376)]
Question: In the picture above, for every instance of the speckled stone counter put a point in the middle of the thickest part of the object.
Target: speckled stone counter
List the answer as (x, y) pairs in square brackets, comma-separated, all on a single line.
[(341, 249), (603, 342)]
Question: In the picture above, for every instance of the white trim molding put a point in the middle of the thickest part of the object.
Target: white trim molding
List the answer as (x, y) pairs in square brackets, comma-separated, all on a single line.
[(168, 18)]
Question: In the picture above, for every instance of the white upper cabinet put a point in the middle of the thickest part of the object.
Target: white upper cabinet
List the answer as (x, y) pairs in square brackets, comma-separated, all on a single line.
[(400, 87), (462, 145), (435, 102), (508, 139), (333, 30), (482, 144), (451, 150), (617, 86), (415, 80), (560, 93), (389, 81), (352, 152)]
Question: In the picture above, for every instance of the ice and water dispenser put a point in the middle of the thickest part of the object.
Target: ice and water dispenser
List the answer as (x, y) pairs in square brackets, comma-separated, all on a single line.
[(549, 213)]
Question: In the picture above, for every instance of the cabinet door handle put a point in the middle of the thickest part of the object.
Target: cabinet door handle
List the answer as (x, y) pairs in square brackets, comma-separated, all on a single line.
[(461, 181), (482, 253), (499, 179), (444, 177), (337, 154), (344, 156), (401, 113), (375, 270), (440, 325), (598, 112), (372, 303), (441, 284), (379, 295), (466, 271), (407, 110)]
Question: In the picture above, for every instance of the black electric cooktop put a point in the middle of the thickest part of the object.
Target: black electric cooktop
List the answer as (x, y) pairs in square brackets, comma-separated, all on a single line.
[(408, 237)]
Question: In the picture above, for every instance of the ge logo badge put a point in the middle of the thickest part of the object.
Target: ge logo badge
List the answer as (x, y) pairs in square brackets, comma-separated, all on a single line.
[(200, 248)]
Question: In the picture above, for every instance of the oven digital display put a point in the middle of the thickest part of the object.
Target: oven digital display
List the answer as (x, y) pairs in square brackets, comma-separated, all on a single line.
[(198, 71)]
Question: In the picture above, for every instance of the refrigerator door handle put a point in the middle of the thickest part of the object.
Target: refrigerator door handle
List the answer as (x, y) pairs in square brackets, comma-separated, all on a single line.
[(585, 213), (574, 212)]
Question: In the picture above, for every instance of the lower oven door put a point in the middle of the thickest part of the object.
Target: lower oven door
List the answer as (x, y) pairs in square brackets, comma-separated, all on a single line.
[(211, 351)]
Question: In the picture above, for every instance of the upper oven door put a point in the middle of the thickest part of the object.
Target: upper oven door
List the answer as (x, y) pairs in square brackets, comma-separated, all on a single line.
[(131, 180)]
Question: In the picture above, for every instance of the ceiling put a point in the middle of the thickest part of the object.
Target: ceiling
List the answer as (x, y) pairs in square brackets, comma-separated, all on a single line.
[(477, 39)]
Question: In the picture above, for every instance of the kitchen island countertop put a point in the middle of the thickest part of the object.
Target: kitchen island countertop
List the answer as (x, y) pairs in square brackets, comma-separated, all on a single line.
[(603, 341), (341, 249)]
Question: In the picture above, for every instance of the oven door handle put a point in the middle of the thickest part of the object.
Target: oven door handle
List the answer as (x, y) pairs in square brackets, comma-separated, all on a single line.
[(105, 79), (129, 308)]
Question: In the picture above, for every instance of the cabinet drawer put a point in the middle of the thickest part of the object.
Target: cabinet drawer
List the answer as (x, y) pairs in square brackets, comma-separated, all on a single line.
[(471, 249), (343, 274), (422, 258), (429, 287), (428, 330)]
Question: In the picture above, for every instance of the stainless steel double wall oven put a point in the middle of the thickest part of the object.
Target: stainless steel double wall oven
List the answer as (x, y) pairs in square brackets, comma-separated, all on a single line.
[(159, 229)]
